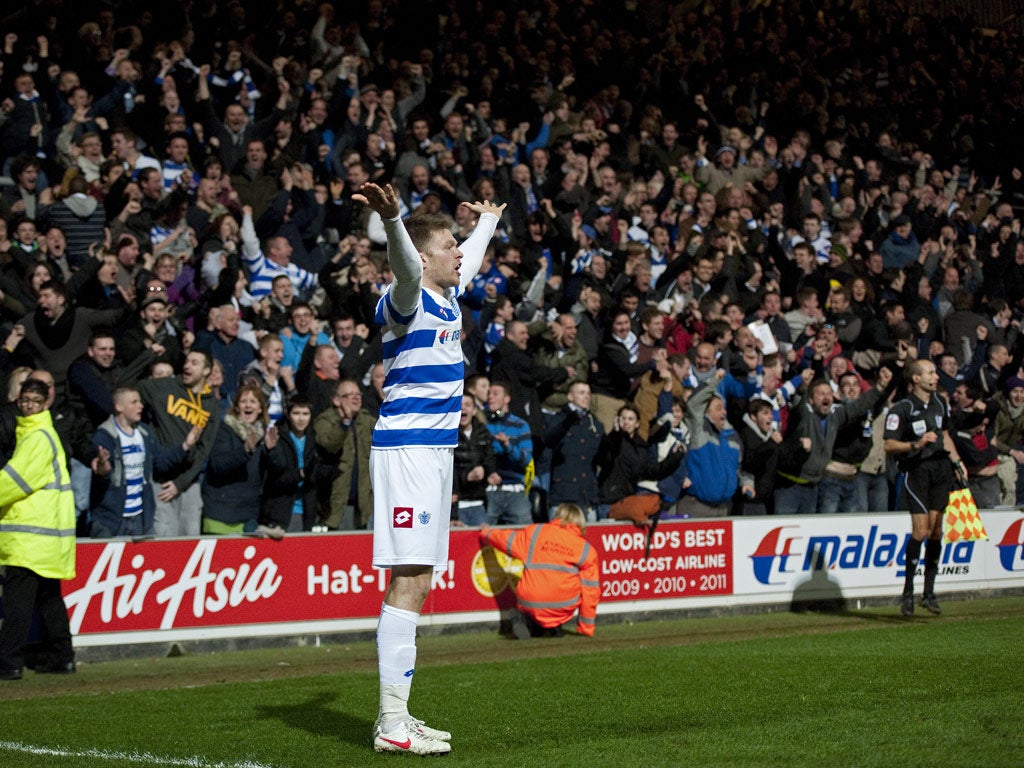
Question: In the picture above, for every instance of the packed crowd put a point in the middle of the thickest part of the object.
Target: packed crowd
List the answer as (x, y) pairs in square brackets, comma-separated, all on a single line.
[(727, 237)]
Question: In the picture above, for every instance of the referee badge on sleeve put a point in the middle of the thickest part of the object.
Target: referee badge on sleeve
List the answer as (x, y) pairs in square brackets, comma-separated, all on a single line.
[(892, 421)]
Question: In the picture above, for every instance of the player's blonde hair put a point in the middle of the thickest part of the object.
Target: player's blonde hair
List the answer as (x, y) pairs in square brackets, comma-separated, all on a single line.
[(571, 514)]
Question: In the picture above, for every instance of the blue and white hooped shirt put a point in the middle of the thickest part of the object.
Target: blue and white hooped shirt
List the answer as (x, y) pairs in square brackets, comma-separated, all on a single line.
[(423, 373)]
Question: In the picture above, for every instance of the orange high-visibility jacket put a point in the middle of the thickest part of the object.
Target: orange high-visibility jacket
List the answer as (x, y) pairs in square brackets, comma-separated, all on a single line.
[(559, 573)]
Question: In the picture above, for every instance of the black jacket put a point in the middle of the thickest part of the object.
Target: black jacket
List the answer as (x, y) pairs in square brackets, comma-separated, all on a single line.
[(91, 388), (625, 461), (574, 439), (517, 367), (283, 482), (615, 373), (231, 488), (760, 460), (473, 451)]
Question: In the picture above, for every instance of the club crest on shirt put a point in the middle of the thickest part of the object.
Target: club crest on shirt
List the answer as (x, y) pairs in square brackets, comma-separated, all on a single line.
[(424, 518)]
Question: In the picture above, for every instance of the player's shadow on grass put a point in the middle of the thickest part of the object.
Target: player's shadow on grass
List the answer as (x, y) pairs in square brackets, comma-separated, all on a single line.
[(316, 717), (821, 594)]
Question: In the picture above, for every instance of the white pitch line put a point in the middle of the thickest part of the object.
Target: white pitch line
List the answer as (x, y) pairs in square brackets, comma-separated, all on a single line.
[(144, 758)]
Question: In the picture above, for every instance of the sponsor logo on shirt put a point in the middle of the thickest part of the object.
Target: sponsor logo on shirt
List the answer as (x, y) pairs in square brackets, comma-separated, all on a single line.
[(402, 517), (449, 336)]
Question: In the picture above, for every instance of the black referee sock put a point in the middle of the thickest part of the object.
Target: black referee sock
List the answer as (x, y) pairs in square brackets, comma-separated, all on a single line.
[(932, 550), (913, 557)]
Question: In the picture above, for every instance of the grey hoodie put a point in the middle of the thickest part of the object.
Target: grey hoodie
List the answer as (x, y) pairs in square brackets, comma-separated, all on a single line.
[(83, 206)]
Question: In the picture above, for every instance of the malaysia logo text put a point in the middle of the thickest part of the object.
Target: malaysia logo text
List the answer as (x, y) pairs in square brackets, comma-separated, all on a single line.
[(783, 552)]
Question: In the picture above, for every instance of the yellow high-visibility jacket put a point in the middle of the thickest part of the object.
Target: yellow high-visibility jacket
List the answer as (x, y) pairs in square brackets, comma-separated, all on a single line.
[(37, 507)]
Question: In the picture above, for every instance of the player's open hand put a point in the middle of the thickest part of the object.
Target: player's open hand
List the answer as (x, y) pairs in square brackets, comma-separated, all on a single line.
[(485, 207), (383, 201)]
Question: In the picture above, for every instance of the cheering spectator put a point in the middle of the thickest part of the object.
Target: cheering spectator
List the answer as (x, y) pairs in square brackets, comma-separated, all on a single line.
[(511, 441), (625, 462), (231, 487), (58, 332), (811, 439), (177, 404), (474, 463), (123, 469), (290, 470), (574, 438), (713, 462), (343, 434)]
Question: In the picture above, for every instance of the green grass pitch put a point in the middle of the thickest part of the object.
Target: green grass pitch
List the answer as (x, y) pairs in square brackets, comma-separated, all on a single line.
[(865, 688)]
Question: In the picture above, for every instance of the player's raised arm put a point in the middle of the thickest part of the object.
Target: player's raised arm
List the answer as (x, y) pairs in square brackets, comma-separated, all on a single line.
[(475, 246), (402, 254)]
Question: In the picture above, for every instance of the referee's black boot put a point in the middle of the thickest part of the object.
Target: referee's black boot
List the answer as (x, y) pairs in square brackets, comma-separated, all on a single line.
[(907, 605), (931, 604)]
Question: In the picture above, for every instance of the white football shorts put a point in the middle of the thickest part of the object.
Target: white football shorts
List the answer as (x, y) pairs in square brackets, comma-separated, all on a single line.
[(412, 502)]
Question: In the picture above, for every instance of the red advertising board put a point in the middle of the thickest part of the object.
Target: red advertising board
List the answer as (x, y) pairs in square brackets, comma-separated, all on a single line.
[(123, 586), (688, 560)]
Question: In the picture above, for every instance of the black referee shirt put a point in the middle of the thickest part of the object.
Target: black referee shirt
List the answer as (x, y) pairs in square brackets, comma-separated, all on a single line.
[(909, 420)]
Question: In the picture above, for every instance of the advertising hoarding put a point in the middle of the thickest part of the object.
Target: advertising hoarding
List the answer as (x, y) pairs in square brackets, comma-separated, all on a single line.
[(220, 587)]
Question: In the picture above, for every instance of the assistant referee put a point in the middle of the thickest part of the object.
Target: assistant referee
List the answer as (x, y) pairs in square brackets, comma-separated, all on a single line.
[(916, 432)]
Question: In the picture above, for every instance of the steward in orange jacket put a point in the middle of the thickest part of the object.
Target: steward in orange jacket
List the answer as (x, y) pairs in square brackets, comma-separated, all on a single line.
[(559, 569)]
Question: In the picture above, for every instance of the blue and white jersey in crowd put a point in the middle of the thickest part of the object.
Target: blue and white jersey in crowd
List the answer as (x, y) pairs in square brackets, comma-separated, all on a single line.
[(493, 335), (821, 245), (133, 452), (262, 270), (172, 172), (423, 373)]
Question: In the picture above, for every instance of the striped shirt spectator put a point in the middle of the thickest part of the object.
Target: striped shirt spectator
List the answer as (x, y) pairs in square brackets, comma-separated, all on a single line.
[(264, 268), (133, 451)]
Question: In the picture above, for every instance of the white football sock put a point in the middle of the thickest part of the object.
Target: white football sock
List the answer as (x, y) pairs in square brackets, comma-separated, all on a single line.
[(396, 660)]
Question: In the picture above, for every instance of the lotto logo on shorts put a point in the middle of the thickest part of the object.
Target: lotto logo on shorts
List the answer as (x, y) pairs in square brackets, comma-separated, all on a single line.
[(402, 517)]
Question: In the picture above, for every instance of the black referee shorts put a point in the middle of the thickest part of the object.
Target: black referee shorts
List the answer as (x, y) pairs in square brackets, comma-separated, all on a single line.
[(928, 485)]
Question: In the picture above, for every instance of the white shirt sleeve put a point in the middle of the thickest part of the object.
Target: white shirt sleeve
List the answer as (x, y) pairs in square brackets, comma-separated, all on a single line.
[(251, 253), (405, 263), (475, 246)]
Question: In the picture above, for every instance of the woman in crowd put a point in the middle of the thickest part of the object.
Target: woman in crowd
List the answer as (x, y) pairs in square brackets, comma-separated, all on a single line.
[(862, 298), (95, 285), (626, 462), (23, 284), (231, 488)]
